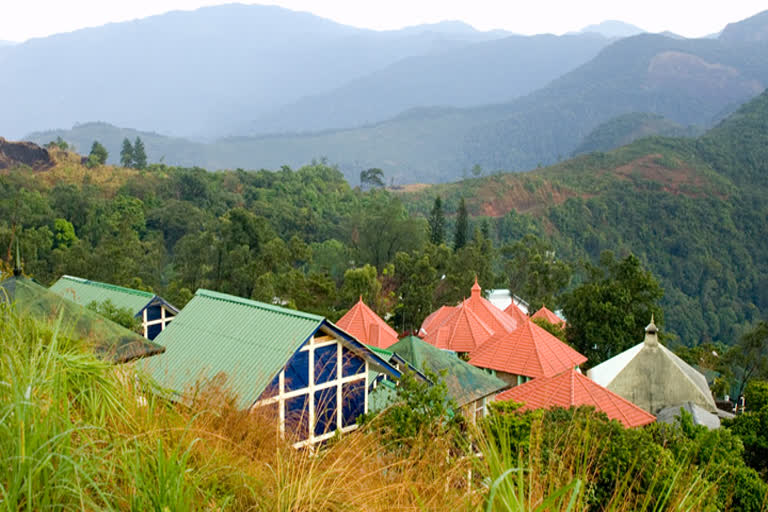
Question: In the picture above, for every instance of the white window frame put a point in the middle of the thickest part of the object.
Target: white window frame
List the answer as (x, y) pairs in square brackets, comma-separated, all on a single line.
[(166, 315)]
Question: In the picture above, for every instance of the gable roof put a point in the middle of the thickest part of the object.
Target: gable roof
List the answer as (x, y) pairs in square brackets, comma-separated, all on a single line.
[(493, 317), (549, 316), (83, 292), (465, 383), (461, 331), (365, 325), (529, 350), (572, 389), (653, 377), (110, 340), (247, 341)]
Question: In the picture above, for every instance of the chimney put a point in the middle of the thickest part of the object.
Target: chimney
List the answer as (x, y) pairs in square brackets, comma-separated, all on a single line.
[(651, 334)]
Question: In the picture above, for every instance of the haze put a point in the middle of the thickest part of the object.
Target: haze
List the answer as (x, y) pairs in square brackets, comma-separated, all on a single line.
[(38, 18)]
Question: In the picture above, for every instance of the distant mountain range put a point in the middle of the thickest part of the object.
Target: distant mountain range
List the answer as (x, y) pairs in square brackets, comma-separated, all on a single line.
[(613, 29)]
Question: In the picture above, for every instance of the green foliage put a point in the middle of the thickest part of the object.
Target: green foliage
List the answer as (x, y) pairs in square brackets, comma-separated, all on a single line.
[(437, 223), (608, 313), (371, 178), (749, 356), (461, 235), (121, 316), (126, 153), (534, 273), (139, 154), (756, 394), (554, 329), (752, 428), (98, 155)]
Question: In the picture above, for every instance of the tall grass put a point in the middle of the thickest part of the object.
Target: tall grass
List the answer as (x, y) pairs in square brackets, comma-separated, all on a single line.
[(79, 434)]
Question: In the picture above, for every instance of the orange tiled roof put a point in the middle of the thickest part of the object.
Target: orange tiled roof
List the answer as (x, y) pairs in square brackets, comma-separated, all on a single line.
[(493, 317), (365, 325), (570, 388), (549, 316), (529, 350), (461, 331), (516, 313), (435, 319)]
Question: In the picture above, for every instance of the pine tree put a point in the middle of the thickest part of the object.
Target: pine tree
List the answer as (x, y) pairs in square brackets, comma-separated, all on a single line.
[(98, 155), (139, 155), (126, 154), (437, 223), (462, 227)]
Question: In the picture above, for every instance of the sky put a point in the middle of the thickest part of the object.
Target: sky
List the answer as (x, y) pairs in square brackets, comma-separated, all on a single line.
[(24, 19)]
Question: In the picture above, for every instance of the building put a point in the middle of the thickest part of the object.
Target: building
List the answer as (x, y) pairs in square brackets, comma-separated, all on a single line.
[(110, 341), (549, 316), (654, 378), (155, 313), (572, 389), (310, 373), (470, 387), (365, 325), (526, 353)]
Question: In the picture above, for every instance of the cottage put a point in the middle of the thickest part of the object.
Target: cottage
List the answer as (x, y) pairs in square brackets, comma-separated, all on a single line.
[(526, 353), (365, 325), (111, 341), (653, 377), (310, 373), (155, 313), (468, 386), (572, 389)]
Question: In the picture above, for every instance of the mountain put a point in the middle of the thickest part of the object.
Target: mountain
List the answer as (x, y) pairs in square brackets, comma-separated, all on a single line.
[(200, 72), (480, 73), (751, 30), (693, 210), (613, 29), (627, 128)]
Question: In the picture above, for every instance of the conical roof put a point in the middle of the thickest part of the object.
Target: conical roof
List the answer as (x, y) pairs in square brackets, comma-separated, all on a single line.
[(365, 325), (461, 331), (572, 389), (653, 377), (516, 313), (435, 319), (493, 317), (549, 316), (465, 383), (110, 340), (529, 350)]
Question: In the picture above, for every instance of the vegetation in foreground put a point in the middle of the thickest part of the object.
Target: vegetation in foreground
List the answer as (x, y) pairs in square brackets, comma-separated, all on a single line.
[(77, 433)]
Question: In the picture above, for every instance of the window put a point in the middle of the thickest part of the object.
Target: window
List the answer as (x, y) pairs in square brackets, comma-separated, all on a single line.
[(297, 417), (353, 401), (325, 410), (153, 330), (297, 371), (326, 362), (353, 364)]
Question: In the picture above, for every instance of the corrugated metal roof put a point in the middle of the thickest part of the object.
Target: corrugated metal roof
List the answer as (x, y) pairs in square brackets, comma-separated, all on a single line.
[(110, 340), (219, 334), (83, 292), (465, 382)]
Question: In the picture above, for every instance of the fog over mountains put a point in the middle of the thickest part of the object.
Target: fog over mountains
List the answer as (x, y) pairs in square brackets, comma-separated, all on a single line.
[(261, 87)]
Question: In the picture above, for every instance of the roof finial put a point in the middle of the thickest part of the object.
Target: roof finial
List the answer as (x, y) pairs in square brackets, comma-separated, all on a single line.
[(476, 288), (361, 297), (651, 333), (17, 266)]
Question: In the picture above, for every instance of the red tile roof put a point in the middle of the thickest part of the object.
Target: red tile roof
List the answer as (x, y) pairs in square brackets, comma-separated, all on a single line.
[(493, 317), (570, 388), (461, 331), (549, 316), (435, 319), (516, 313), (529, 350), (365, 325)]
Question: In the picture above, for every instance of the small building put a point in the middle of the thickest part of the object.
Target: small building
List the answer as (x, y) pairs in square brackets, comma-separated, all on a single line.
[(526, 353), (365, 325), (653, 377), (549, 316), (572, 389), (468, 386), (518, 314), (110, 341), (155, 312), (309, 372)]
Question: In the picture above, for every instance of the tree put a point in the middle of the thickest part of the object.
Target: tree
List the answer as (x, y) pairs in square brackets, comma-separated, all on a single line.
[(462, 226), (126, 154), (748, 358), (139, 154), (373, 177), (417, 279), (98, 155), (437, 223), (534, 273), (121, 316), (608, 313)]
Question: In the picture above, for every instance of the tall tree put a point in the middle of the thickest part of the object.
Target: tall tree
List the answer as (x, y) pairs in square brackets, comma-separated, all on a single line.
[(608, 313), (126, 154), (748, 358), (98, 155), (371, 178), (139, 154), (437, 223), (462, 226), (534, 273)]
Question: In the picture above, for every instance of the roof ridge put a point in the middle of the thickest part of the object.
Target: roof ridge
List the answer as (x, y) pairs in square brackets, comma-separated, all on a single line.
[(256, 304), (108, 286)]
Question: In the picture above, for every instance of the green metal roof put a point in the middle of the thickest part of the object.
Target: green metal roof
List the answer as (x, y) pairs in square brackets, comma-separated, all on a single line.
[(83, 292), (465, 382), (110, 340), (219, 334)]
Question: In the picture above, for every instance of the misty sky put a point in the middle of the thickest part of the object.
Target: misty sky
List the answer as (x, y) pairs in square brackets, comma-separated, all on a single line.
[(24, 19)]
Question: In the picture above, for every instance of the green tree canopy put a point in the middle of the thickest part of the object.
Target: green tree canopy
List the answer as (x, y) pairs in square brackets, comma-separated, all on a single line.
[(462, 226), (98, 155), (373, 177), (437, 223), (534, 273), (139, 154), (126, 154)]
